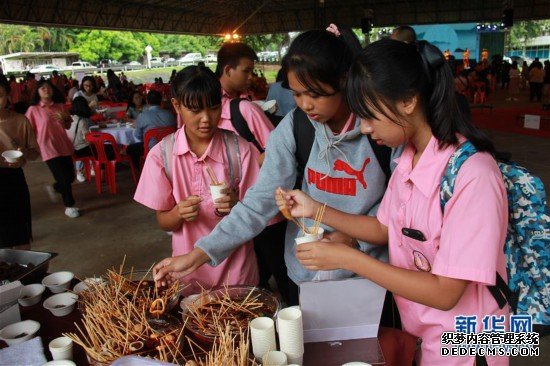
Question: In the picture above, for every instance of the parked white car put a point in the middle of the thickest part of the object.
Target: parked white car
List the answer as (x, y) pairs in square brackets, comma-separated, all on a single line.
[(211, 58), (79, 65), (156, 61), (45, 69), (190, 59)]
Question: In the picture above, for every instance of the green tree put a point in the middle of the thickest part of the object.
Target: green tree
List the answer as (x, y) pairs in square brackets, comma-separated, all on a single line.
[(524, 31)]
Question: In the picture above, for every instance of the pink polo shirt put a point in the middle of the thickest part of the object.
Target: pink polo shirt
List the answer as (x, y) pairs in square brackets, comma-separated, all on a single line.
[(259, 124), (464, 243), (157, 192), (50, 133)]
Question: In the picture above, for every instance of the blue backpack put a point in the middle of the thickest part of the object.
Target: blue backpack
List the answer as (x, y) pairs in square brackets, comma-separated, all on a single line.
[(527, 246)]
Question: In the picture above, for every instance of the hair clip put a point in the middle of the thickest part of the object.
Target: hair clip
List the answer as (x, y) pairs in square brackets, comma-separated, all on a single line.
[(332, 28)]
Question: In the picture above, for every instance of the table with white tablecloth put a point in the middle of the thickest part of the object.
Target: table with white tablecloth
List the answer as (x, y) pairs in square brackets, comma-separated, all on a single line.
[(124, 134)]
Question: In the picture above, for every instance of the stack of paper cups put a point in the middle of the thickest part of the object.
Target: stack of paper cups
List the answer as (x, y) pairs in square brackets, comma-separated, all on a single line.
[(291, 334), (274, 358), (262, 334)]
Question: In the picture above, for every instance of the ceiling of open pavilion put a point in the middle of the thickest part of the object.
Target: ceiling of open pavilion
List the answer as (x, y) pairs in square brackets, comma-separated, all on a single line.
[(256, 16)]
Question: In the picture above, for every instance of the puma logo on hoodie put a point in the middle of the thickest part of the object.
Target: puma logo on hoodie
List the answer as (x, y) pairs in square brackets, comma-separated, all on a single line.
[(341, 186)]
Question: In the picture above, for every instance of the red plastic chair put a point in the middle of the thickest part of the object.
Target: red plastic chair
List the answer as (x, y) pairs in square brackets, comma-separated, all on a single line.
[(157, 134), (98, 140)]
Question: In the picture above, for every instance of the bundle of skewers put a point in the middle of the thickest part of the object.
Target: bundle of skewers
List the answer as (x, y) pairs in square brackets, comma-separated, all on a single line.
[(300, 222), (229, 349), (215, 311), (116, 321)]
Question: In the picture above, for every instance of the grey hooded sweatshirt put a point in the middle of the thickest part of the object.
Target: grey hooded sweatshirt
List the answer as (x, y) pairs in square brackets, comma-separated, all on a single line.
[(342, 171)]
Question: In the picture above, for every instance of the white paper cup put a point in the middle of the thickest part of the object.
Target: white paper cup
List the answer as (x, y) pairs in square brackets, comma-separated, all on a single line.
[(308, 237), (295, 360), (274, 358), (118, 124), (291, 331), (12, 156), (61, 348), (262, 334), (215, 191)]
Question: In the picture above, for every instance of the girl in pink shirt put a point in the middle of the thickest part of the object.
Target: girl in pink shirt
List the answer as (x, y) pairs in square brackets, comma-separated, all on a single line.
[(184, 204), (49, 118), (440, 263)]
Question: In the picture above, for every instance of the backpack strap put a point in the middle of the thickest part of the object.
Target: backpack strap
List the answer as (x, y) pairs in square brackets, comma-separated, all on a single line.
[(167, 151), (231, 143), (233, 153), (240, 124), (304, 135), (500, 291)]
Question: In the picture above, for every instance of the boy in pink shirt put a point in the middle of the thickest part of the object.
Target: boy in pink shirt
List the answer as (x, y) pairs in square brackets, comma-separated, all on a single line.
[(235, 70), (183, 203), (441, 263)]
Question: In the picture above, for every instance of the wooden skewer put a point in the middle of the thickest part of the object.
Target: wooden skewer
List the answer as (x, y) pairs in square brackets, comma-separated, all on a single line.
[(286, 213), (213, 178)]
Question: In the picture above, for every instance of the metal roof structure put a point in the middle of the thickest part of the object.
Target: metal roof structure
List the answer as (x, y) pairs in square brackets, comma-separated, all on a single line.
[(257, 16)]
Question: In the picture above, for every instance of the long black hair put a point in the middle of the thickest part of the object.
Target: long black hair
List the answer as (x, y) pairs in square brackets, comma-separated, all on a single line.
[(80, 107), (319, 56), (197, 88), (57, 96), (389, 71), (91, 79)]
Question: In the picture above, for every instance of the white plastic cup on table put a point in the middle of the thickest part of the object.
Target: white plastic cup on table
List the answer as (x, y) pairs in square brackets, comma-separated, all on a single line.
[(274, 358), (61, 348), (262, 334), (291, 332), (118, 124), (215, 191), (310, 236)]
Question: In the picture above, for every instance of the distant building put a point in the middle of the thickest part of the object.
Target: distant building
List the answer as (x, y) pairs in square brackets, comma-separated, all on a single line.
[(535, 47), (23, 61)]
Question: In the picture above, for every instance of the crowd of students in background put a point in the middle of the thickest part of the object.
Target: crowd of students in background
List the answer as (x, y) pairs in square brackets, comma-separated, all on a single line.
[(361, 108)]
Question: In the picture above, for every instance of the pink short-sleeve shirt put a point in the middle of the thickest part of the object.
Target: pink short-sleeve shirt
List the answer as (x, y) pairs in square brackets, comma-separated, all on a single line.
[(463, 243), (157, 192), (50, 133), (259, 124)]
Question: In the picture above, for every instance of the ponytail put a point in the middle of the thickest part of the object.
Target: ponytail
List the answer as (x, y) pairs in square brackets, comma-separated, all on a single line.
[(388, 71)]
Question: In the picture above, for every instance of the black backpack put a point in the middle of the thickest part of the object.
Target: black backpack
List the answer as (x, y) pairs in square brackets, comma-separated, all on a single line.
[(241, 126), (304, 135)]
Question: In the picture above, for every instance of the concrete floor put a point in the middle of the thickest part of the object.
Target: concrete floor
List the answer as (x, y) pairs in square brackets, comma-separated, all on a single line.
[(114, 226)]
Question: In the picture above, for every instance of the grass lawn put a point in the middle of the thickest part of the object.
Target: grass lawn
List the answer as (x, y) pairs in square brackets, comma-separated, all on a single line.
[(149, 75)]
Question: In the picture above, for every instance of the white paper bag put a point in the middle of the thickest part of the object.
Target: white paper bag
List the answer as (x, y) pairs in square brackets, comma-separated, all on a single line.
[(341, 310)]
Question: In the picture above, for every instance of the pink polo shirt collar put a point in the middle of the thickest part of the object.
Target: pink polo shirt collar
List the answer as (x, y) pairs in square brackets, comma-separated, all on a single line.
[(214, 150), (42, 104), (426, 175)]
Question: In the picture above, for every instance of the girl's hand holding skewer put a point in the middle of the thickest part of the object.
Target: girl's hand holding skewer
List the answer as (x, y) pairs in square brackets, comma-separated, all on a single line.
[(226, 203), (297, 203), (188, 209)]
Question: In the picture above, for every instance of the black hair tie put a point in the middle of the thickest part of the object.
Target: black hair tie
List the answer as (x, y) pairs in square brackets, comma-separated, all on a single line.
[(432, 58)]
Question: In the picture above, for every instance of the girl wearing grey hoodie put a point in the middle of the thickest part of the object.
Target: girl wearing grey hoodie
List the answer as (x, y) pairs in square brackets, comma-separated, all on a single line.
[(342, 169)]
